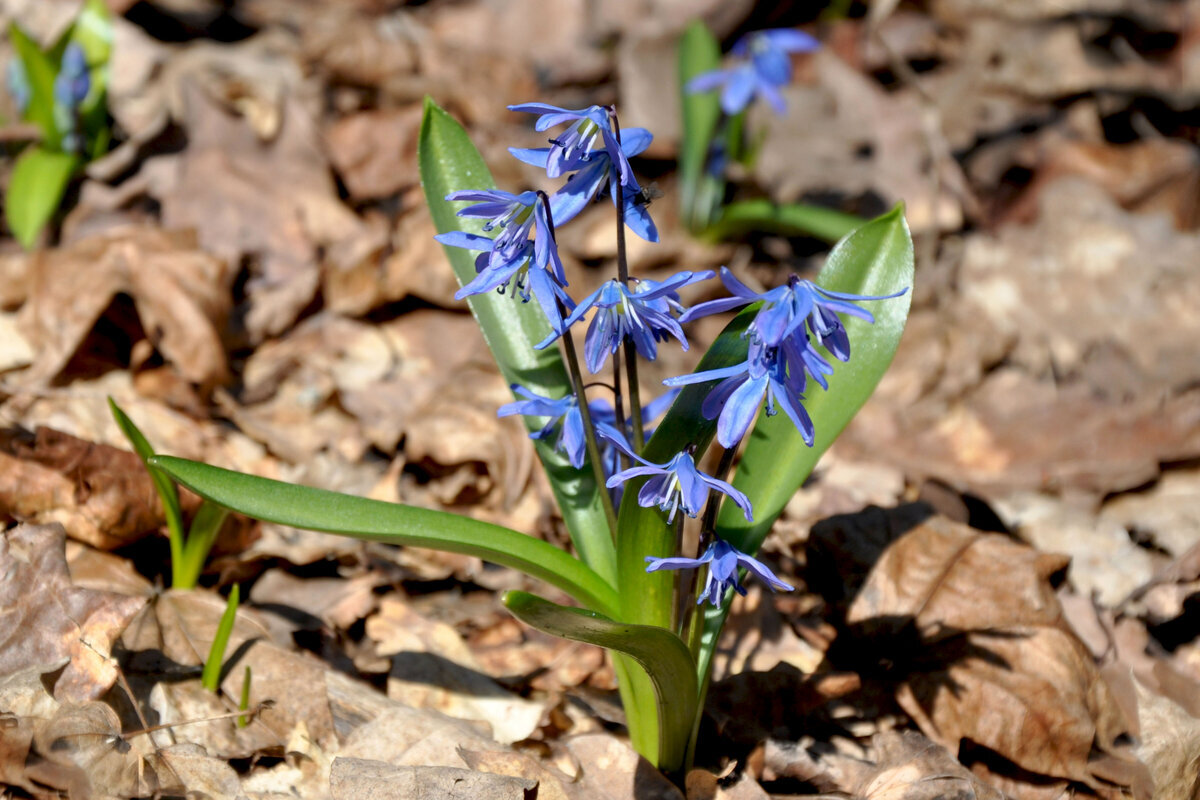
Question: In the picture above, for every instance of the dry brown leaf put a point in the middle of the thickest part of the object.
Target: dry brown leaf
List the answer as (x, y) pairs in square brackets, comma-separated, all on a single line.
[(910, 767), (48, 619), (181, 296), (432, 667), (353, 778), (1169, 744), (611, 770), (84, 754), (375, 152), (336, 602), (273, 201), (101, 495), (989, 657)]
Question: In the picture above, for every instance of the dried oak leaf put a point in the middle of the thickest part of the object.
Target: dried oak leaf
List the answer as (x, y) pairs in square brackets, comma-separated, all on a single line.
[(182, 297), (47, 618), (355, 777), (992, 661), (99, 494)]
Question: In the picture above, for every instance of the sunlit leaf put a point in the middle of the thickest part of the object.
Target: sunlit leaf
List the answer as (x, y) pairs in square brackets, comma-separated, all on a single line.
[(39, 179)]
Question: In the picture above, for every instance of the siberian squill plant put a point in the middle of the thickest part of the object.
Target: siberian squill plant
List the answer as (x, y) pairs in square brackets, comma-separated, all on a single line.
[(813, 350)]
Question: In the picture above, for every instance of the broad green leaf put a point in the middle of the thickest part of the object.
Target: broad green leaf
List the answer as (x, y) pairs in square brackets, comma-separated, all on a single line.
[(41, 68), (662, 654), (93, 31), (393, 523), (39, 179), (646, 596), (167, 493), (789, 219), (877, 259), (449, 162), (210, 678), (699, 52)]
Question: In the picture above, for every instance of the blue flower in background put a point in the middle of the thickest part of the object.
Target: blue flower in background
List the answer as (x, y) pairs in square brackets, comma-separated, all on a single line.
[(735, 401), (642, 314), (676, 484), (723, 561), (534, 265), (18, 84), (596, 172), (766, 69), (73, 82), (573, 148)]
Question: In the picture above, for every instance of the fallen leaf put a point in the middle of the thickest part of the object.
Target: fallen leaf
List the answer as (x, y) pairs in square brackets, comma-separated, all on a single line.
[(375, 152), (1169, 745), (353, 778), (910, 767), (48, 619), (983, 654), (181, 296), (101, 495)]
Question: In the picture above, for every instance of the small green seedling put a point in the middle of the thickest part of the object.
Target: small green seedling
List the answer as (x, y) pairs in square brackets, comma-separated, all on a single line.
[(190, 551), (244, 703), (211, 677)]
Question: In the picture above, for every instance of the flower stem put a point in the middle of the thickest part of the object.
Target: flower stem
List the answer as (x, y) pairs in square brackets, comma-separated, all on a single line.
[(694, 622), (635, 402), (585, 413)]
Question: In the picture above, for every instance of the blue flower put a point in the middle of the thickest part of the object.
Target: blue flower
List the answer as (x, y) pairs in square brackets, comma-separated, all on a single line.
[(786, 309), (642, 314), (535, 265), (767, 69), (767, 372), (723, 561), (73, 82), (573, 148), (18, 84), (595, 173), (676, 484), (565, 419)]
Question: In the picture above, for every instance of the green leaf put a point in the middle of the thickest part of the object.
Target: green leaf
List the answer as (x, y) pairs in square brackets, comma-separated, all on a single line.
[(449, 162), (789, 219), (877, 259), (393, 523), (662, 654), (93, 31), (201, 535), (167, 493), (211, 677), (41, 68), (699, 52), (39, 179)]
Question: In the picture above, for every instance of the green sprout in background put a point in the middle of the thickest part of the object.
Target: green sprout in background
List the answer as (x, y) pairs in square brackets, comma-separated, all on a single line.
[(62, 92)]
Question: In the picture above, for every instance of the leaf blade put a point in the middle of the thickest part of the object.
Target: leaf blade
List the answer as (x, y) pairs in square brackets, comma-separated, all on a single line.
[(393, 523), (39, 180)]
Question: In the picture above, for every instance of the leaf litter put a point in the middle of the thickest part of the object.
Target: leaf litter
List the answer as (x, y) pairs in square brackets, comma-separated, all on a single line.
[(263, 293)]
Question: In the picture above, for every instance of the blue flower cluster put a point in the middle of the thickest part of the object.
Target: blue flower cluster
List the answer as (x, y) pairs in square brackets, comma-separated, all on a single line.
[(764, 66), (72, 85), (782, 340)]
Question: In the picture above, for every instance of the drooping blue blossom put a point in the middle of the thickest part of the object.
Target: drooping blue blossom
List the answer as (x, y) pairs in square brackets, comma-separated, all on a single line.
[(533, 266), (766, 373), (614, 442), (73, 82), (676, 485), (590, 129), (787, 308), (565, 420), (17, 80), (596, 172), (765, 69), (642, 314), (723, 561)]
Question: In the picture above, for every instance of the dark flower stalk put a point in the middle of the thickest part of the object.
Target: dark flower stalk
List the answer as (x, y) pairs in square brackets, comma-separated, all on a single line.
[(635, 400)]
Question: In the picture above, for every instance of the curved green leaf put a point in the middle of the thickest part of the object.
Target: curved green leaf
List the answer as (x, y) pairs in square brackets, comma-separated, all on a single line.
[(449, 162), (393, 523), (789, 219), (40, 68), (662, 654), (877, 259), (39, 179)]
